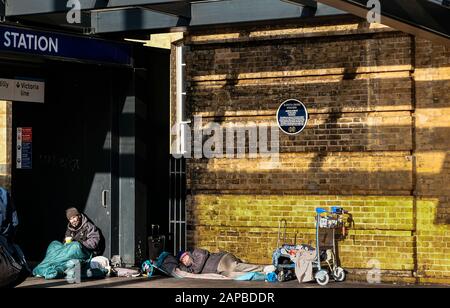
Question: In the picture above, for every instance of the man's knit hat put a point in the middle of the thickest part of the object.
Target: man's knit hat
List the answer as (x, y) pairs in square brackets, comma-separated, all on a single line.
[(71, 212), (181, 254)]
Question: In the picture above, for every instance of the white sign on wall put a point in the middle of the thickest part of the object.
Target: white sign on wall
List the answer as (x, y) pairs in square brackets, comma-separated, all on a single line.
[(22, 90)]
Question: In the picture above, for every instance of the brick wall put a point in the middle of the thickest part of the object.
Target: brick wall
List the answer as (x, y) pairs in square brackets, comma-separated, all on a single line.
[(432, 81), (375, 98), (5, 136)]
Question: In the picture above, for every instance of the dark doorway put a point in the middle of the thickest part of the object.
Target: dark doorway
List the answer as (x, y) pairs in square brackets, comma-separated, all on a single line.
[(72, 156), (100, 142)]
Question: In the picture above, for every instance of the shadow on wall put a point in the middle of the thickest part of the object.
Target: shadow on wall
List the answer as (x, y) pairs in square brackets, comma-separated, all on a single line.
[(218, 86), (363, 106), (318, 176)]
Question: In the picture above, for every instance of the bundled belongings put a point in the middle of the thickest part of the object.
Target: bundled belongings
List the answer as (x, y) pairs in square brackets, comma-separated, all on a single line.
[(284, 259), (13, 266), (101, 263), (76, 271), (118, 269), (98, 267)]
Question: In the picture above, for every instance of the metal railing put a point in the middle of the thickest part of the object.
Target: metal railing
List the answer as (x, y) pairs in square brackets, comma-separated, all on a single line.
[(177, 203)]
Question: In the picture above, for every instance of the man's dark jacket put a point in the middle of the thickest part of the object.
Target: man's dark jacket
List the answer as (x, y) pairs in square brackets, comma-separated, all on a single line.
[(203, 262), (88, 235)]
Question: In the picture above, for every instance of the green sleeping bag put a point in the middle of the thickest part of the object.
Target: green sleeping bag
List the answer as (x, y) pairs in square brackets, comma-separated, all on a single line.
[(57, 258)]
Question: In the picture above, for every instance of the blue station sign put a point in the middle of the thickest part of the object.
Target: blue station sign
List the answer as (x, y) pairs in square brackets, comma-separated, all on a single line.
[(292, 117), (52, 44)]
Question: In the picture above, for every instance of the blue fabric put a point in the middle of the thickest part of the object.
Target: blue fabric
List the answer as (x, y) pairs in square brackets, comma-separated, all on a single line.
[(8, 215), (271, 277), (161, 258), (56, 259), (252, 277), (320, 210), (3, 206)]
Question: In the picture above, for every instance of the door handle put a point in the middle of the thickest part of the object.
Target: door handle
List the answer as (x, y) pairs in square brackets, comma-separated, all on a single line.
[(104, 198)]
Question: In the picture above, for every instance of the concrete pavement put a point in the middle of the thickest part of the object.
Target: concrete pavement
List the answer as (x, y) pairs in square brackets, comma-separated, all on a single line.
[(164, 282)]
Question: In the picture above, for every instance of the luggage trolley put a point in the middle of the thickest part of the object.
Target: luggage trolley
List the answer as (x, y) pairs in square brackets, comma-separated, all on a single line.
[(328, 222), (325, 263)]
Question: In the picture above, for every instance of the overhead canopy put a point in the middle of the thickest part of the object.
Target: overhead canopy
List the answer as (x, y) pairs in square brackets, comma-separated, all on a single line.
[(131, 16), (429, 19), (426, 18)]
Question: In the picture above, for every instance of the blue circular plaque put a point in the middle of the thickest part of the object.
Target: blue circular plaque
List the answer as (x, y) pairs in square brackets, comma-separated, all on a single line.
[(292, 117)]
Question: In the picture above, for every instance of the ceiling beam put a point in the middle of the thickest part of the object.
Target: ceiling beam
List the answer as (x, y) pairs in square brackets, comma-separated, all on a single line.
[(205, 14), (56, 21), (133, 19), (182, 9), (32, 7), (310, 3), (422, 18)]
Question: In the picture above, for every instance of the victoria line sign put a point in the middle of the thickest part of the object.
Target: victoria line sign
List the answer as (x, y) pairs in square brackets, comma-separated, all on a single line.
[(22, 90)]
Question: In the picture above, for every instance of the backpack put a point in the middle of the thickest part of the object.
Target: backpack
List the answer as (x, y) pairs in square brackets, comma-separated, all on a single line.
[(165, 263)]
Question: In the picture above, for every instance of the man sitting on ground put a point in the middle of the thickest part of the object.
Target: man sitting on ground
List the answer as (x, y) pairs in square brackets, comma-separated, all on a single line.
[(81, 229), (83, 241)]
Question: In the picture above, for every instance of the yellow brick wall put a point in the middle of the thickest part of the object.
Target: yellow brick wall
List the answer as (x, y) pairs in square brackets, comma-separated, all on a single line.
[(376, 144), (5, 151), (248, 224)]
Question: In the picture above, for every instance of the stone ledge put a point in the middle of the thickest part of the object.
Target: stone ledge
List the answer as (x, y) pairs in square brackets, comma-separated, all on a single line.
[(288, 32)]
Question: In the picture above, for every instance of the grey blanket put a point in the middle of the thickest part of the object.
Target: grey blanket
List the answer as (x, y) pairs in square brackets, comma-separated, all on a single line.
[(304, 265)]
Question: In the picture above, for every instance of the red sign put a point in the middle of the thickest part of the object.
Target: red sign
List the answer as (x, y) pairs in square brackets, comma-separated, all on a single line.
[(27, 134)]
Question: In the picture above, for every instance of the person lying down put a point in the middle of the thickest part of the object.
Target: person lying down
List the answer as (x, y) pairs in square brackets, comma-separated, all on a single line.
[(200, 263)]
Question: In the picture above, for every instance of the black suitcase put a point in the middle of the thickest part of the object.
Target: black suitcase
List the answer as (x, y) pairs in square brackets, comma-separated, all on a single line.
[(156, 243)]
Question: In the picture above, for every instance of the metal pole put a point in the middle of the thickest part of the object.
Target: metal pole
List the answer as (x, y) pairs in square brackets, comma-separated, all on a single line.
[(317, 242), (184, 203)]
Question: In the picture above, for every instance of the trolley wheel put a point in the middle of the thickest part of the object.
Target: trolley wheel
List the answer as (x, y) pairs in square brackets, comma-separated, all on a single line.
[(281, 276), (322, 277), (339, 274)]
